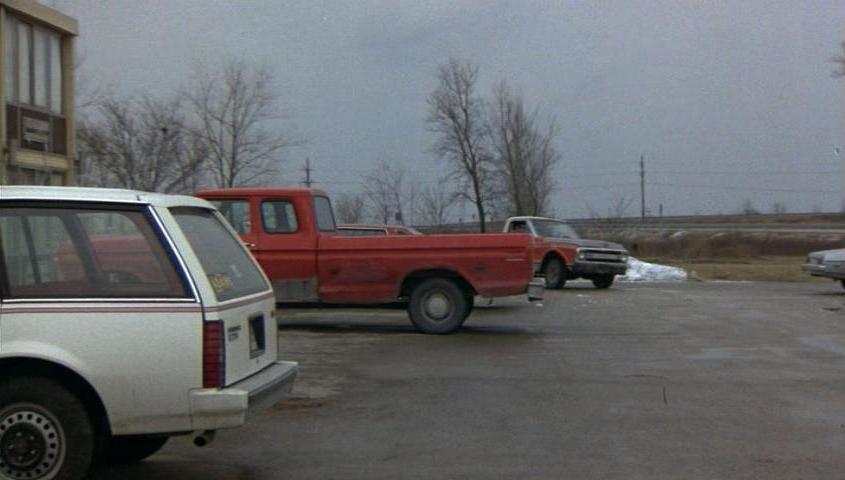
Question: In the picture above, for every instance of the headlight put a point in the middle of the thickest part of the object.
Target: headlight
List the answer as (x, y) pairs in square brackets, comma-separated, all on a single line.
[(623, 258), (582, 255)]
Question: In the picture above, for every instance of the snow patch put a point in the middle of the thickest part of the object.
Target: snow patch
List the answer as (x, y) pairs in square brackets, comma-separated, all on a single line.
[(639, 271)]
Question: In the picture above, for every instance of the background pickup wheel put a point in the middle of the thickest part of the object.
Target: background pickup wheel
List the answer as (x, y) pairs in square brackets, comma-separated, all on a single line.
[(603, 281), (555, 273), (45, 431), (132, 448), (438, 305)]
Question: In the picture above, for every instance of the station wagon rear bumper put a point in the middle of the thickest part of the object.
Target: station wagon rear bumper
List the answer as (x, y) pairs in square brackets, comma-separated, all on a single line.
[(212, 409)]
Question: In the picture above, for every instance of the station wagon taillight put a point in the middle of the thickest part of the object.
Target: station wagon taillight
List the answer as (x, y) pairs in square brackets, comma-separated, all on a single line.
[(213, 355)]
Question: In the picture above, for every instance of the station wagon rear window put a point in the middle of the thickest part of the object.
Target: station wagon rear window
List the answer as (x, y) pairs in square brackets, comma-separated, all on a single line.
[(230, 270), (84, 253)]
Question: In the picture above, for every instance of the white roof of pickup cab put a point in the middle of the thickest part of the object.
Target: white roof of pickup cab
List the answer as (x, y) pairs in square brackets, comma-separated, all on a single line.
[(113, 195), (533, 218)]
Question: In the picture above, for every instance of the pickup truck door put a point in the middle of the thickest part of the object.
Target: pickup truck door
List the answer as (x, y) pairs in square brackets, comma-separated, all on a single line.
[(287, 247)]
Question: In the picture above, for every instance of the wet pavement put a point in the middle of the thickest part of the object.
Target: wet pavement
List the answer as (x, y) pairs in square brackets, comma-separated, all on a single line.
[(691, 380)]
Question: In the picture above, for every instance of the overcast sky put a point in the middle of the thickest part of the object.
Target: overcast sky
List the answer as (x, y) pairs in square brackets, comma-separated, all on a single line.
[(726, 100)]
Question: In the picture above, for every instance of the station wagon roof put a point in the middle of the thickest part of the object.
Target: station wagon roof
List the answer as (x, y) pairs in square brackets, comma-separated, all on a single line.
[(112, 195)]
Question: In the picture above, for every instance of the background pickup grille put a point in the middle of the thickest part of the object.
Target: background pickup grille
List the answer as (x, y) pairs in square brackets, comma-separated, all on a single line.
[(602, 256)]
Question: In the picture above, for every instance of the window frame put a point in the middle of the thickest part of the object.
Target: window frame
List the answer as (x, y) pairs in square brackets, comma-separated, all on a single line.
[(157, 229), (264, 224)]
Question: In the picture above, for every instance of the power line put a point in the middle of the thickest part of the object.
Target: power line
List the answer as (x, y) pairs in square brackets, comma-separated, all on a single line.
[(731, 187)]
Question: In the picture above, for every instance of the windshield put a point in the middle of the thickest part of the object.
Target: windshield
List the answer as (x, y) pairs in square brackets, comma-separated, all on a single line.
[(554, 229)]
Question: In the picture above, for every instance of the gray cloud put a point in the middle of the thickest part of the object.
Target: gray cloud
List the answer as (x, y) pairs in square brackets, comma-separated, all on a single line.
[(737, 91)]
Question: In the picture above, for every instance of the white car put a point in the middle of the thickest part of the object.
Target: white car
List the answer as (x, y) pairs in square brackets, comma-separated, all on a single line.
[(827, 263), (125, 318)]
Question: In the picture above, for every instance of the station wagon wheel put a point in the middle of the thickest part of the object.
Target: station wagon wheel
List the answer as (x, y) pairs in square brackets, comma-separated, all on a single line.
[(45, 432), (437, 305), (555, 273)]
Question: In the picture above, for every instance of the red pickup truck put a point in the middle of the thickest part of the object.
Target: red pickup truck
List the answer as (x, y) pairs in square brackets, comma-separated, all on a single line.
[(292, 233), (561, 254)]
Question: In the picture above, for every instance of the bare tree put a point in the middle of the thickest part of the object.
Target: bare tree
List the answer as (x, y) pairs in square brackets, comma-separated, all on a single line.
[(839, 60), (611, 223), (436, 202), (384, 188), (350, 208), (525, 154), (748, 208), (138, 144), (779, 208), (233, 109), (456, 115)]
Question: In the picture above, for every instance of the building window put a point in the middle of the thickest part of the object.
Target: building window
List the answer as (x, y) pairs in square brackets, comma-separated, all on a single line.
[(24, 63), (33, 79), (10, 59), (33, 66), (41, 67), (55, 73)]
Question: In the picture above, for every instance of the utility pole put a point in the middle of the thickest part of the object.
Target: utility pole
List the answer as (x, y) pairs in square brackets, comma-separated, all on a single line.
[(642, 188), (307, 180)]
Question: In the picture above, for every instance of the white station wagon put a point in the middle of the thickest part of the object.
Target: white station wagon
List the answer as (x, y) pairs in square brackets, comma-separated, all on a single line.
[(125, 318)]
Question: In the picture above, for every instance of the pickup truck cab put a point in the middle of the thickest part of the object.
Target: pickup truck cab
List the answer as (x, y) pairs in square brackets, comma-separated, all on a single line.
[(563, 255), (292, 233), (125, 318)]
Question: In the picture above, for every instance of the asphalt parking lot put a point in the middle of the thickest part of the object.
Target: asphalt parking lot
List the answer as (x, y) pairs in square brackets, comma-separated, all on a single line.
[(691, 380)]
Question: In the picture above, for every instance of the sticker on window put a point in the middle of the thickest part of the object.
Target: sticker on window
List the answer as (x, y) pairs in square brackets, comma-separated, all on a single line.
[(220, 282)]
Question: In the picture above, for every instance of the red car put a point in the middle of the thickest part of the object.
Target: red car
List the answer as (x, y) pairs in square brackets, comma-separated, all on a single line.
[(293, 235)]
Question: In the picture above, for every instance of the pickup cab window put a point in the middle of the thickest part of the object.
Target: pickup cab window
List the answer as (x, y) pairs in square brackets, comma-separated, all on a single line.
[(519, 227), (554, 229), (230, 270), (236, 212), (278, 216), (85, 253), (325, 216)]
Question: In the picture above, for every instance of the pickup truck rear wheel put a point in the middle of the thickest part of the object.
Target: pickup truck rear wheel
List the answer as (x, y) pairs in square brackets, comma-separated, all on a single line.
[(45, 431), (603, 281), (555, 273), (132, 448), (438, 305)]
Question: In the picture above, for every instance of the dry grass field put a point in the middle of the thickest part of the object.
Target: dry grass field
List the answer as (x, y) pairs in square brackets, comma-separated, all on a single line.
[(733, 256), (774, 269)]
